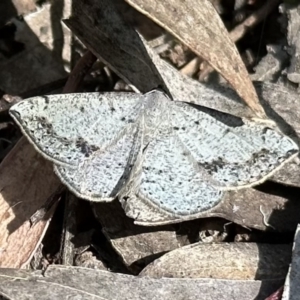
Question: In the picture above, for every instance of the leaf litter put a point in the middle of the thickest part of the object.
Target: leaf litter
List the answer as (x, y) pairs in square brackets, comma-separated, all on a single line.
[(281, 214)]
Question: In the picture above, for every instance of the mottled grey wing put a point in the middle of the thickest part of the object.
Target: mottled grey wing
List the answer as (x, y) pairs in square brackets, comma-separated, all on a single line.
[(171, 180), (233, 153), (103, 174), (69, 128)]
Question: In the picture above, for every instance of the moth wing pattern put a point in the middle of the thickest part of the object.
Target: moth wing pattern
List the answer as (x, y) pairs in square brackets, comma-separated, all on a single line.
[(235, 154), (68, 128), (103, 175)]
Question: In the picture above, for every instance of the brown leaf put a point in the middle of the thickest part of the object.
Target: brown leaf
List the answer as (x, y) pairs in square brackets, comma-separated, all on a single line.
[(199, 26), (59, 282), (26, 179), (115, 41), (132, 242), (243, 261), (36, 64)]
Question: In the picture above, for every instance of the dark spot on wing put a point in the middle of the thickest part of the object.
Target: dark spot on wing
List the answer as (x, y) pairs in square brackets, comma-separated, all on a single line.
[(213, 166), (46, 98), (263, 153), (45, 124), (85, 148)]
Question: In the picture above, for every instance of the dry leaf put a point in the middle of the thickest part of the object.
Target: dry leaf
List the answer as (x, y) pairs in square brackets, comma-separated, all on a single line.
[(291, 286), (115, 41), (25, 180), (135, 244), (199, 27), (40, 62), (293, 16), (252, 208), (240, 261), (59, 282)]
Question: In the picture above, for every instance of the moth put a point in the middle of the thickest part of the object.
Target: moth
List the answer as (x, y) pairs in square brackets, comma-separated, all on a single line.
[(174, 156)]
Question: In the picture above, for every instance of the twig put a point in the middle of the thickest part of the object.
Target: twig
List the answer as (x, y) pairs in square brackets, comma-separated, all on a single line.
[(191, 67), (78, 73), (240, 30)]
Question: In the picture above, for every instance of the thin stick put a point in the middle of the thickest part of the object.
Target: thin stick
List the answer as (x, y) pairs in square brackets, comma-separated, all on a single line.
[(81, 68)]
